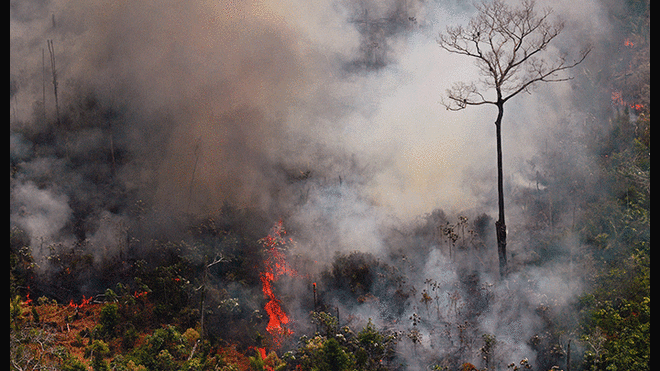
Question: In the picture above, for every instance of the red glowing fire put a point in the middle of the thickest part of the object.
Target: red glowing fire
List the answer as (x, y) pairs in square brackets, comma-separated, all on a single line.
[(85, 301), (617, 100), (264, 355), (139, 294), (27, 298), (262, 352), (275, 266)]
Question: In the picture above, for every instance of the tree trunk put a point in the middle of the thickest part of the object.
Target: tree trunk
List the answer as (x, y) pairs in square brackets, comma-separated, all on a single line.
[(500, 224), (568, 356), (202, 297)]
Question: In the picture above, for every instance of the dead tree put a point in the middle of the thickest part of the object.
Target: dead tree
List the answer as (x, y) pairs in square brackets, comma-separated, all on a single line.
[(508, 45), (202, 297), (51, 50)]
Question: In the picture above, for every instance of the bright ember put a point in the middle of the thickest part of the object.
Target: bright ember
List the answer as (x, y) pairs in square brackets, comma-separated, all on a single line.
[(85, 301)]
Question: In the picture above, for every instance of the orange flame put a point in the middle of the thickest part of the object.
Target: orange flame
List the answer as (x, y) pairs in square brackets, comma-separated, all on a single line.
[(636, 106), (262, 352), (275, 267), (27, 297), (617, 100), (139, 294), (85, 301)]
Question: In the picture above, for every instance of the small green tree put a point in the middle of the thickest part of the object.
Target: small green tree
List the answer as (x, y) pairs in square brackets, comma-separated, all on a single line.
[(165, 361), (256, 362), (73, 364), (373, 347), (334, 357), (97, 351), (15, 313), (109, 320)]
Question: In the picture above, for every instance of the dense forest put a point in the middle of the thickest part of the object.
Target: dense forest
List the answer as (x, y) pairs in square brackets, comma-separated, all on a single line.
[(135, 245)]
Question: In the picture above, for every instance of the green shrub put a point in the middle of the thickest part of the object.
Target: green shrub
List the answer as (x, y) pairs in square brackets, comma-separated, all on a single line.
[(109, 320)]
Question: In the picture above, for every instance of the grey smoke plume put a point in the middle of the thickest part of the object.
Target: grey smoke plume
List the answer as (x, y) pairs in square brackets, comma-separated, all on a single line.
[(206, 98)]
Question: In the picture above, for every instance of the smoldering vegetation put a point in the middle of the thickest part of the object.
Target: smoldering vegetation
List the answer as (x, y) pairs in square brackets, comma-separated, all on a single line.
[(156, 138)]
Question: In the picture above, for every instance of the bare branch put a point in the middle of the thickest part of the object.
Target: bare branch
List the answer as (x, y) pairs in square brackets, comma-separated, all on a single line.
[(218, 259), (541, 73), (462, 95), (506, 43)]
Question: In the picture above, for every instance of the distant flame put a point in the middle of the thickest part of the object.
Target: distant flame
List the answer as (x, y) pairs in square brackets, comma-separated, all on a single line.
[(617, 100), (140, 294), (27, 297), (628, 43), (85, 301), (262, 352), (275, 266), (636, 106)]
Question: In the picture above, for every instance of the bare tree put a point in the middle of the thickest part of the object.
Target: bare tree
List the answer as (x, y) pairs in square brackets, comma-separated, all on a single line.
[(51, 50), (508, 45)]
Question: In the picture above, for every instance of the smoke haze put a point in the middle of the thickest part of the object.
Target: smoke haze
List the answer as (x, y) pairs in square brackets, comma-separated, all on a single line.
[(209, 97), (325, 113)]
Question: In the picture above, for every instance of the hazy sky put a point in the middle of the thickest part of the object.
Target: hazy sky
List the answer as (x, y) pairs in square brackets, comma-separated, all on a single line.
[(210, 101)]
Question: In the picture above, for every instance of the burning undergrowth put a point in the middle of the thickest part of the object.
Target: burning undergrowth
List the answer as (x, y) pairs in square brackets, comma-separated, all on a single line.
[(275, 266), (264, 293), (431, 295)]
